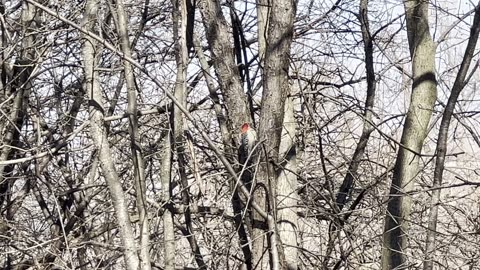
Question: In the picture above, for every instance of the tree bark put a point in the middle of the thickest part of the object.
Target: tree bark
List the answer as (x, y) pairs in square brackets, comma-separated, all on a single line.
[(165, 157), (100, 140), (262, 23), (226, 138), (275, 90), (225, 68), (237, 111), (424, 93), (458, 86), (287, 188), (260, 259), (135, 144)]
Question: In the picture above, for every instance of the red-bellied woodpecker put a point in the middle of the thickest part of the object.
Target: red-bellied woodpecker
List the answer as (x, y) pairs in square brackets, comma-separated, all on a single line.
[(248, 139)]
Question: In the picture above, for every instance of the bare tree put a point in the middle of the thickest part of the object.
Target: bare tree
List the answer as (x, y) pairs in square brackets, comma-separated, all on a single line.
[(137, 152), (180, 31), (424, 94), (224, 63), (275, 91), (168, 222), (99, 137)]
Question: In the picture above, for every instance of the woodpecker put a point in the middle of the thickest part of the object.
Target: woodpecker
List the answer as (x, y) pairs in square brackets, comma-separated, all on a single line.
[(248, 138)]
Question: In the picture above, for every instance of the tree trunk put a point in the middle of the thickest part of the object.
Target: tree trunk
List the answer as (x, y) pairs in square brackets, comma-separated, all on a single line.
[(237, 111), (165, 157), (275, 90), (287, 188), (226, 138), (100, 140), (135, 145), (351, 175), (458, 86), (225, 67), (181, 56), (262, 24), (16, 90), (424, 93), (257, 233)]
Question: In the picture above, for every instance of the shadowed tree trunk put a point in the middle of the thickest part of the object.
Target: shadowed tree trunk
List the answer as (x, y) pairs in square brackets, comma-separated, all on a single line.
[(225, 68), (236, 108), (275, 90), (226, 138), (424, 93), (286, 188)]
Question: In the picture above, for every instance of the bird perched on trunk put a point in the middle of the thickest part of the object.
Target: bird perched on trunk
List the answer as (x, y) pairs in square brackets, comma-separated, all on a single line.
[(248, 139)]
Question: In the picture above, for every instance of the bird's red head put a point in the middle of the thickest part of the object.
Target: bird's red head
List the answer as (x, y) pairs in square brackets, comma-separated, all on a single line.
[(245, 127)]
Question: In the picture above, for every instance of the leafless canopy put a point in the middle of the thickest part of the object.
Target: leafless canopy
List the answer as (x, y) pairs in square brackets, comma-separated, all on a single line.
[(120, 130)]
